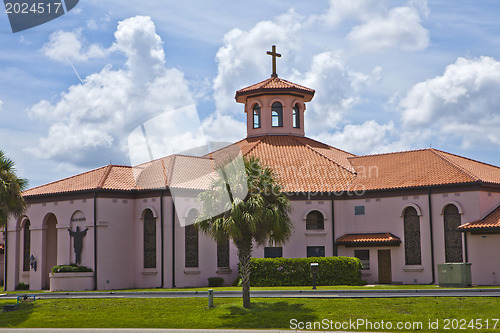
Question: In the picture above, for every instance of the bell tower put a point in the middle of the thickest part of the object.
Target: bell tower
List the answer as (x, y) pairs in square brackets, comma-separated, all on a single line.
[(275, 106)]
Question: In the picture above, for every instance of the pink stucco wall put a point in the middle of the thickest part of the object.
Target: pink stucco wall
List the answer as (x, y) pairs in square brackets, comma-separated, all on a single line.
[(39, 214), (483, 253), (120, 238)]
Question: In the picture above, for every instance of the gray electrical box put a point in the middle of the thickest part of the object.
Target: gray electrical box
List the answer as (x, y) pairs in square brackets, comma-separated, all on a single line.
[(454, 275)]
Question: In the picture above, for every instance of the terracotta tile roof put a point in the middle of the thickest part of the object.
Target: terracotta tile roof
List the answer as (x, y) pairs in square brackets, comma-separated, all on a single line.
[(175, 171), (85, 181), (151, 175), (274, 85), (369, 239), (301, 164), (419, 168), (489, 222), (192, 173), (118, 178), (334, 154), (483, 172)]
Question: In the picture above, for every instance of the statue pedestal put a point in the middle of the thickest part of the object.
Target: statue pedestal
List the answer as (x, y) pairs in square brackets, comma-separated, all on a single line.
[(76, 281)]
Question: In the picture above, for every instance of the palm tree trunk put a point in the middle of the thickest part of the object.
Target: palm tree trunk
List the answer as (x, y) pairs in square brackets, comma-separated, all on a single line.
[(244, 255)]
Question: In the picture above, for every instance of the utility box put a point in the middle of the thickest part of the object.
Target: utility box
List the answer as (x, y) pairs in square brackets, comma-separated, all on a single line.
[(454, 275)]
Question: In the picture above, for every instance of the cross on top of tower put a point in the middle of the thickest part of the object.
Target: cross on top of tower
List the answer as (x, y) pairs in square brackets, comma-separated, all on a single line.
[(274, 54)]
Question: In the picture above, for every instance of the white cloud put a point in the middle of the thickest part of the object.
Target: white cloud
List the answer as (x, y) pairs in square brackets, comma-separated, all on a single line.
[(23, 40), (97, 116), (1, 105), (101, 22), (342, 10), (242, 61), (71, 46), (337, 88), (367, 138), (401, 29), (374, 27), (461, 103), (242, 58), (219, 127), (137, 39), (76, 11), (92, 24), (173, 131)]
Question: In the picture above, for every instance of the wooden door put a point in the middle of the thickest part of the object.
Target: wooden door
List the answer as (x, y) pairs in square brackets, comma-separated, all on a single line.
[(384, 266)]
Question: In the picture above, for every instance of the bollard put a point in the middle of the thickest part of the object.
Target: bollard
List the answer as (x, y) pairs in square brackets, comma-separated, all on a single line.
[(210, 298), (314, 280), (314, 273)]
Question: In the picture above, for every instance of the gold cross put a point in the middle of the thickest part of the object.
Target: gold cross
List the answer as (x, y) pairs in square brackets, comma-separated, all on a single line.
[(274, 55)]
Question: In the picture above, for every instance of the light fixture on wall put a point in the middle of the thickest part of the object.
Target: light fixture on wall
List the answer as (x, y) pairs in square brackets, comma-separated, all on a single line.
[(33, 262)]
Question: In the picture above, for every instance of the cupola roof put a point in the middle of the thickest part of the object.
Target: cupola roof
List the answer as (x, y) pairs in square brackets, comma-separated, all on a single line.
[(274, 85)]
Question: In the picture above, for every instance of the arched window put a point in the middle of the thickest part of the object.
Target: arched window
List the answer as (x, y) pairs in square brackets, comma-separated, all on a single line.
[(26, 246), (452, 237), (413, 254), (277, 114), (191, 240), (296, 116), (256, 116), (149, 239), (315, 221)]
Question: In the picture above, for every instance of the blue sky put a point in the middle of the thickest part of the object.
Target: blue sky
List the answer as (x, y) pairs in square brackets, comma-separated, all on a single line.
[(388, 75)]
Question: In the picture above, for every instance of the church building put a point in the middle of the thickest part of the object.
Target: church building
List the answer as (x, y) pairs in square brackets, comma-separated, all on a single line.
[(400, 213)]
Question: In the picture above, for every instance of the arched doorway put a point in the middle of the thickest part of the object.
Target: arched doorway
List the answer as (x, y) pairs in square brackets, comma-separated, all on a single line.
[(49, 248)]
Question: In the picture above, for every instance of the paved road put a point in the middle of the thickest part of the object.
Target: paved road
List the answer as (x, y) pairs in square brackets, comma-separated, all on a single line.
[(388, 293)]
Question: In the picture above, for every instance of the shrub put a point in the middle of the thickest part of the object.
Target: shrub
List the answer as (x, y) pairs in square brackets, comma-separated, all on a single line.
[(23, 286), (237, 282), (266, 272), (215, 282), (70, 269)]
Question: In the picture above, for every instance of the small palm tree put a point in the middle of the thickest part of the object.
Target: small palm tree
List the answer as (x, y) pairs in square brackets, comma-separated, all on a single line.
[(11, 200), (261, 217)]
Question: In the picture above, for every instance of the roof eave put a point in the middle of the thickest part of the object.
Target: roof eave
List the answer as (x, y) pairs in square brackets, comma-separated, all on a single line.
[(92, 191), (478, 230), (370, 244), (242, 96)]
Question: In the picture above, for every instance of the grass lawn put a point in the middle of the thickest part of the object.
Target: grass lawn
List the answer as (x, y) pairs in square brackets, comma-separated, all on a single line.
[(265, 313)]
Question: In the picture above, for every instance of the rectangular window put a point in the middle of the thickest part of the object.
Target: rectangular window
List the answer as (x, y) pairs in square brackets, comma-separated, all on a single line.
[(315, 251), (364, 257), (359, 210), (223, 253), (273, 252)]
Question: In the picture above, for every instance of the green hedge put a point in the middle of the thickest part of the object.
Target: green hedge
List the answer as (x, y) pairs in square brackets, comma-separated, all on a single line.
[(23, 286), (215, 282), (296, 271), (70, 269)]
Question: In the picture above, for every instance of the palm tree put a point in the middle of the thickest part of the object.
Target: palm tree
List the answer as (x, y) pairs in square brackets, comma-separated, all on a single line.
[(11, 200), (262, 216)]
